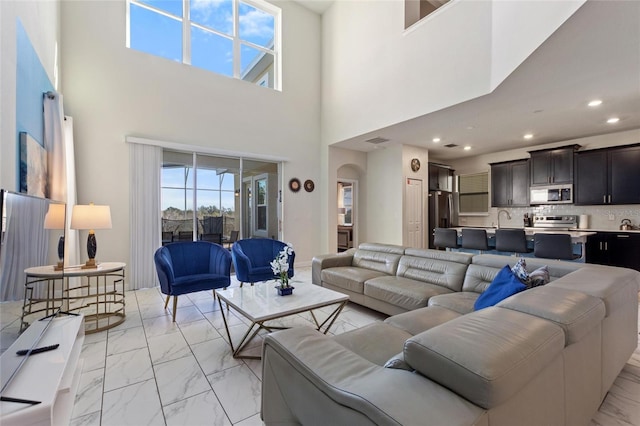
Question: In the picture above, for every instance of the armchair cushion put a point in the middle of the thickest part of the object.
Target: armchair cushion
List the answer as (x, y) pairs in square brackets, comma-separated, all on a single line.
[(252, 258)]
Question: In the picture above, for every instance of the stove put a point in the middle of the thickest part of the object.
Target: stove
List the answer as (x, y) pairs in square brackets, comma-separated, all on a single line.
[(555, 222)]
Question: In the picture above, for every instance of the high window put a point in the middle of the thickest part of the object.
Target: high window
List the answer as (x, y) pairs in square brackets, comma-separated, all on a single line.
[(239, 39)]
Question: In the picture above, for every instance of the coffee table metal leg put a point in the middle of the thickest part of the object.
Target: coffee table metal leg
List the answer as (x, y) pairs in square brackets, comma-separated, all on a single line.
[(332, 318)]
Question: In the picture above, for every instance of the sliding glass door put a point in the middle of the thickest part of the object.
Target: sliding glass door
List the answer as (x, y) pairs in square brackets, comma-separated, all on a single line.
[(229, 194)]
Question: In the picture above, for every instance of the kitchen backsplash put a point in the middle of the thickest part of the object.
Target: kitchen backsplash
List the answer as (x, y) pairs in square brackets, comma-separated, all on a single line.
[(600, 217)]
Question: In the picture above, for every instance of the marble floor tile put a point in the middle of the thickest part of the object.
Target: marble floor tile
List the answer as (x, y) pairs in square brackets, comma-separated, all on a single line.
[(92, 419), (201, 409), (186, 314), (125, 340), (214, 356), (94, 354), (131, 320), (604, 419), (357, 318), (138, 404), (255, 365), (628, 388), (621, 408), (179, 379), (251, 421), (89, 396), (340, 327), (238, 390), (127, 368), (206, 305), (215, 318), (199, 331), (167, 347), (159, 326), (153, 310)]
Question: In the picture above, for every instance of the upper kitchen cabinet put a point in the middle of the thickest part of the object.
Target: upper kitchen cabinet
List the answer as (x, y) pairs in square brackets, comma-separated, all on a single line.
[(552, 166), (440, 178), (510, 184), (608, 176)]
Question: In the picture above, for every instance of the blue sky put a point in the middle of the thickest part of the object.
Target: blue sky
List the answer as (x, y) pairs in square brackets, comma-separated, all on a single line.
[(160, 35), (208, 195)]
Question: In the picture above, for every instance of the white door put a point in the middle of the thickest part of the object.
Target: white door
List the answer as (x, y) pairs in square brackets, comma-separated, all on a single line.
[(414, 213)]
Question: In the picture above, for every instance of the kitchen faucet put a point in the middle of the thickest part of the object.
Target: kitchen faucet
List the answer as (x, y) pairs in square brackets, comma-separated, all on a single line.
[(505, 211)]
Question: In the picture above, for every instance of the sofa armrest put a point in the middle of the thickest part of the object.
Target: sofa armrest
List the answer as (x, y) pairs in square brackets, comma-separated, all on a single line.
[(329, 261), (309, 378)]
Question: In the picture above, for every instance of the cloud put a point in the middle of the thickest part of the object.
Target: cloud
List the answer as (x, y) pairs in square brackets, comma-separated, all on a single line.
[(256, 23)]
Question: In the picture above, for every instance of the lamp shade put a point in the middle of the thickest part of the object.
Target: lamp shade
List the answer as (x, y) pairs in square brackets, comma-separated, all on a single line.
[(91, 217), (54, 219)]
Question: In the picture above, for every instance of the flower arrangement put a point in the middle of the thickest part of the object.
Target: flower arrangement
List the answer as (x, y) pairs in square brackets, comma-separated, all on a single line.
[(280, 266)]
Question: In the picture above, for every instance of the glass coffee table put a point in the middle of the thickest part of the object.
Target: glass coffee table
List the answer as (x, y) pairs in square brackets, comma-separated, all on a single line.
[(261, 303)]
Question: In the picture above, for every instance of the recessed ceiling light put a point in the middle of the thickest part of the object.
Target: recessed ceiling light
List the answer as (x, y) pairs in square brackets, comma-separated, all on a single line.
[(528, 136), (436, 140), (595, 103), (467, 148), (613, 120)]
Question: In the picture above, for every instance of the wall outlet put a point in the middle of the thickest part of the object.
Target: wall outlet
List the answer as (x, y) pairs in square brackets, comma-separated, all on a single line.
[(612, 217)]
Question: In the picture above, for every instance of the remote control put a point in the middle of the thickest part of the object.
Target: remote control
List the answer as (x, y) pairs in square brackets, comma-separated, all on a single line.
[(38, 350)]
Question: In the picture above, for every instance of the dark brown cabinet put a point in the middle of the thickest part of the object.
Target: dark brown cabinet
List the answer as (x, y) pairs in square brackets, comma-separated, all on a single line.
[(510, 184), (608, 176), (552, 166), (614, 249), (440, 178)]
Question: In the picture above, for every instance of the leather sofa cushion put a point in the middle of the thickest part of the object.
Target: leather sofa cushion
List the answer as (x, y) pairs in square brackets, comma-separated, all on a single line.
[(375, 342), (612, 285), (460, 302), (486, 356), (432, 268), (422, 319), (403, 292), (577, 313), (381, 261), (349, 277)]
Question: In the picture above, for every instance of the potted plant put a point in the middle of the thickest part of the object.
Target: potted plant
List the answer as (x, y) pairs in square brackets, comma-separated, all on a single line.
[(280, 268)]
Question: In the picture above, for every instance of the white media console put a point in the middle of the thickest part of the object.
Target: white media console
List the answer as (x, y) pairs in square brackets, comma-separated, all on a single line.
[(50, 378)]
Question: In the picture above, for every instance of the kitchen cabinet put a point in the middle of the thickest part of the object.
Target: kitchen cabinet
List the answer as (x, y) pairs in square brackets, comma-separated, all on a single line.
[(614, 249), (552, 166), (608, 176), (510, 184), (440, 178)]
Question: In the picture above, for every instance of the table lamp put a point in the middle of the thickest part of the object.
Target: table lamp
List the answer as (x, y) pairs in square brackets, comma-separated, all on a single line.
[(91, 217), (54, 219)]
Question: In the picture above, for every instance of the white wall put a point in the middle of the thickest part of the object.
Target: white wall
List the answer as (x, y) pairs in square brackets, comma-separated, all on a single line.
[(112, 92), (599, 215), (40, 21), (385, 196), (376, 74)]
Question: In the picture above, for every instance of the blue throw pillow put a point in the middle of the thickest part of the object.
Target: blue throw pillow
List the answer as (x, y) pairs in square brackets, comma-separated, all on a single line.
[(503, 285)]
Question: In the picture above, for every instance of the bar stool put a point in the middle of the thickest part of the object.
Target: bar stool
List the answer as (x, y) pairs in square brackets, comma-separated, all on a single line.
[(511, 240), (475, 239), (553, 246), (445, 238)]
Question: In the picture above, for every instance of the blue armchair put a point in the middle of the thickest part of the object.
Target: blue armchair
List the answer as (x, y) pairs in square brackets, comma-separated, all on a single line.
[(187, 267), (252, 258)]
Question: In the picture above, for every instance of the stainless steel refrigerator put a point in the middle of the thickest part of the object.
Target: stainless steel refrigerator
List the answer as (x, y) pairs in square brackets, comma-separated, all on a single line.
[(441, 212)]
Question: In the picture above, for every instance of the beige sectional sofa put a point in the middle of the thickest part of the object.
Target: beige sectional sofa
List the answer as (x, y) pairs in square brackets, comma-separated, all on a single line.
[(545, 356)]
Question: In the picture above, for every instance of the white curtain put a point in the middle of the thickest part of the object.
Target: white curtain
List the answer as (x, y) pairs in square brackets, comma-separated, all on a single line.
[(24, 242), (58, 141), (145, 162)]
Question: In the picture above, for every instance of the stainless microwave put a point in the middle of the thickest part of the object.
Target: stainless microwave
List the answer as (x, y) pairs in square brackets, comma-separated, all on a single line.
[(552, 194)]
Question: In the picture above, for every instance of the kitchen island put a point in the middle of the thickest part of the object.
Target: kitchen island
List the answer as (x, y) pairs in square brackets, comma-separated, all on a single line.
[(578, 238)]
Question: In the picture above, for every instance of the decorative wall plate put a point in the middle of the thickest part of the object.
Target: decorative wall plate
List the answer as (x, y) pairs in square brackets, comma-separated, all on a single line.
[(294, 185), (309, 185), (415, 164)]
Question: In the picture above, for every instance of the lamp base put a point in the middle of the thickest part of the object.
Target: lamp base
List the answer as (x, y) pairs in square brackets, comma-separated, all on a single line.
[(59, 266), (91, 264)]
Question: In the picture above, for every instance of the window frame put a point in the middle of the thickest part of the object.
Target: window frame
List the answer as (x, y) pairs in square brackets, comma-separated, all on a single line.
[(237, 41)]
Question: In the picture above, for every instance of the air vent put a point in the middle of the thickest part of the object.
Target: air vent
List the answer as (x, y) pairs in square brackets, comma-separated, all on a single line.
[(377, 140), (450, 145)]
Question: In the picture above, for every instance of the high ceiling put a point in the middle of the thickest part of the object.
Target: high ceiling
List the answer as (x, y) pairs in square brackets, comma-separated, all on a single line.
[(594, 55)]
